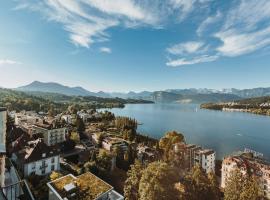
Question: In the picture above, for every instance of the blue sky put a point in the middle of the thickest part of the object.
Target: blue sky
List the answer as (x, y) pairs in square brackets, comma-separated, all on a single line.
[(124, 45)]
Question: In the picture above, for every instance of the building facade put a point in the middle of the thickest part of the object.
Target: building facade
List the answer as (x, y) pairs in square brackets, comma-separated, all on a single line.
[(3, 121), (37, 158), (248, 162), (205, 158), (52, 135)]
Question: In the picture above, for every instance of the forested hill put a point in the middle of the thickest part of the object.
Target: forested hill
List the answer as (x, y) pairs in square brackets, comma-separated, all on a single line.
[(39, 101), (258, 105)]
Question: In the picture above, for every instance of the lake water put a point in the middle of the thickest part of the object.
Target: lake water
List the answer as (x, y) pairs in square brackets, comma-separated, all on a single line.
[(224, 132)]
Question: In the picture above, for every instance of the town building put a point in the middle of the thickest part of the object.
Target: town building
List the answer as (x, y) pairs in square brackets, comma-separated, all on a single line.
[(29, 117), (84, 187), (68, 118), (37, 158), (205, 158), (248, 162), (86, 117), (51, 134), (109, 143), (146, 154), (192, 155)]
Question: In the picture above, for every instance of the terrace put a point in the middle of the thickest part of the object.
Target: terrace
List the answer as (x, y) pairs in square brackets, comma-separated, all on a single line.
[(84, 187)]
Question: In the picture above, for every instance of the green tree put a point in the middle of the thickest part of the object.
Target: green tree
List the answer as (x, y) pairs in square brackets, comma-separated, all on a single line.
[(214, 186), (131, 188), (55, 175), (234, 185), (158, 182), (251, 190), (200, 186), (167, 142), (104, 160), (75, 137)]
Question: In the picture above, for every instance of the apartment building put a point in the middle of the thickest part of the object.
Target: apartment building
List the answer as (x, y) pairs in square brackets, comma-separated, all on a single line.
[(248, 162), (84, 187), (52, 134), (205, 158)]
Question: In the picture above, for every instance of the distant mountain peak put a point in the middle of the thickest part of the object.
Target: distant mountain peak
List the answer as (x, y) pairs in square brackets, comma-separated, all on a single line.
[(52, 87)]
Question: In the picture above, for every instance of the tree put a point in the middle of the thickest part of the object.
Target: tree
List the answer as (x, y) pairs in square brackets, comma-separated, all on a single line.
[(158, 182), (167, 142), (214, 186), (104, 161), (200, 186), (55, 175), (75, 137), (251, 190), (131, 188), (234, 185)]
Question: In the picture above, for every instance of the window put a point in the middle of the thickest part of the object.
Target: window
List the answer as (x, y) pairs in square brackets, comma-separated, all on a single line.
[(52, 168), (33, 166), (43, 171), (52, 160)]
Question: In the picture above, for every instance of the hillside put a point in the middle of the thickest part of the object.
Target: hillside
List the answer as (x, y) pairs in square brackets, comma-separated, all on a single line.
[(42, 101), (258, 105), (169, 97), (51, 87)]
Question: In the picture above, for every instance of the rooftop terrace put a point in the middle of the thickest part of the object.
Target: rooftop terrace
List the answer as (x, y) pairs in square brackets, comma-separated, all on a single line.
[(84, 187)]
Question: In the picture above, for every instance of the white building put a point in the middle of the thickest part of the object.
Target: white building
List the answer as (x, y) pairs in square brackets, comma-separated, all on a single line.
[(84, 187), (29, 117), (109, 143), (37, 158), (3, 121), (84, 116), (205, 158), (52, 135), (68, 118), (248, 162)]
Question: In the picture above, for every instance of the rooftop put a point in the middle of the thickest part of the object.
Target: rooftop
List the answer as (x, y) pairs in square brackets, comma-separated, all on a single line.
[(36, 150), (84, 187)]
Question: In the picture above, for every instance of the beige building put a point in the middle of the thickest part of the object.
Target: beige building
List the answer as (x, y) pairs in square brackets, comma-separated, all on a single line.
[(248, 162), (52, 135)]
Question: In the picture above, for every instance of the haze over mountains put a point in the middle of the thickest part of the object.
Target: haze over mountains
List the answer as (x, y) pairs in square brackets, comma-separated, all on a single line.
[(167, 96)]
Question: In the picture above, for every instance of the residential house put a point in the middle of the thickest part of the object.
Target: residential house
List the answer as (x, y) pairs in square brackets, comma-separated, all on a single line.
[(37, 158)]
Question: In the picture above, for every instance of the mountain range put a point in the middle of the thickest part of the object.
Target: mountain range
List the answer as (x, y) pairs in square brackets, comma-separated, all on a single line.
[(191, 95)]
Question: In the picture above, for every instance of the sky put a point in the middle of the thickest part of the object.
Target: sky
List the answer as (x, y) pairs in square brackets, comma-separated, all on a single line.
[(135, 45)]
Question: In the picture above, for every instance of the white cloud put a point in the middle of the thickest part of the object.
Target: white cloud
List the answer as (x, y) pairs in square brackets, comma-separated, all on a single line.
[(235, 44), (187, 47), (9, 62), (207, 22), (243, 31), (192, 61), (87, 21), (105, 50)]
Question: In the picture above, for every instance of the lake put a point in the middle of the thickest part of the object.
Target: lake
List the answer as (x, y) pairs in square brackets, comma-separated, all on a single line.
[(224, 132)]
